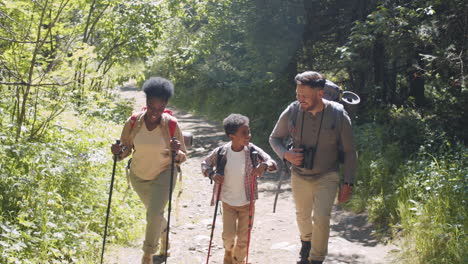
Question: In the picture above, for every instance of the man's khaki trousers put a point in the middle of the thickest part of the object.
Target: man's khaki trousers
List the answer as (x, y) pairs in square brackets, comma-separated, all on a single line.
[(314, 200)]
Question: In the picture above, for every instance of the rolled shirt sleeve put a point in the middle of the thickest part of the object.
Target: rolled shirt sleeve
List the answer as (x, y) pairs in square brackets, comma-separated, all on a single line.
[(279, 133)]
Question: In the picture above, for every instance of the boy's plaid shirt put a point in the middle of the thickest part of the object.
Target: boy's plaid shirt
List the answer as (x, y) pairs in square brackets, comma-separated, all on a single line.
[(208, 166)]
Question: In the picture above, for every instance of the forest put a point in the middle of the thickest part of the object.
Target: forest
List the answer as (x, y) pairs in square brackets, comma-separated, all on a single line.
[(61, 62)]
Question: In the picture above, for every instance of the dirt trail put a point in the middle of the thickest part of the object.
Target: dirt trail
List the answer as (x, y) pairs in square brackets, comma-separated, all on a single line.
[(274, 236)]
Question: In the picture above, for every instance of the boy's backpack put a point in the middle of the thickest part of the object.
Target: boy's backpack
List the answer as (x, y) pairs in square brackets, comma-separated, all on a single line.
[(221, 163)]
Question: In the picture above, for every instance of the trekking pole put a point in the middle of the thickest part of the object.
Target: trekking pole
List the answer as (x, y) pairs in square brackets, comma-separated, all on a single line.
[(280, 181), (117, 142), (214, 222), (169, 208), (172, 126), (252, 204)]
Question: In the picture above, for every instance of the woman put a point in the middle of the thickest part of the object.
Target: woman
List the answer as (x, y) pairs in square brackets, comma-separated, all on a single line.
[(146, 135)]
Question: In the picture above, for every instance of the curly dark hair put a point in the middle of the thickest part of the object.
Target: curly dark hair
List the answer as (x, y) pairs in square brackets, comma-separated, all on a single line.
[(233, 122), (157, 87)]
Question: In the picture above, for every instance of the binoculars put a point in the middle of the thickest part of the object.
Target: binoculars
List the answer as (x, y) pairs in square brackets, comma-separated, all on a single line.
[(309, 155)]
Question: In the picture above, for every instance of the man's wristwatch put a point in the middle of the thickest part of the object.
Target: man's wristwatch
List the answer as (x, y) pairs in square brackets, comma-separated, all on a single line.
[(349, 184)]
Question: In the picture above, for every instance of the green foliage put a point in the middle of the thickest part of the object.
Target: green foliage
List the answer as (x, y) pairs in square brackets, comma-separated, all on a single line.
[(411, 54), (404, 58), (54, 192), (406, 127), (432, 207), (384, 145), (112, 108), (223, 65), (420, 196), (54, 52), (379, 161)]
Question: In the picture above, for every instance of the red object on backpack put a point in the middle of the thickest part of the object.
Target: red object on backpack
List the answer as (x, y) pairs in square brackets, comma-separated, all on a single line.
[(133, 119), (172, 127)]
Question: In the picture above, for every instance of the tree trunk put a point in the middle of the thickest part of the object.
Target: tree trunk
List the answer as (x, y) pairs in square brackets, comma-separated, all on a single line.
[(391, 83), (379, 69), (417, 87), (23, 100)]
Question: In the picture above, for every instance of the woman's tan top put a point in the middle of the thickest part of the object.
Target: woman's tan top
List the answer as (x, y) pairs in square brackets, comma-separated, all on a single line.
[(152, 155)]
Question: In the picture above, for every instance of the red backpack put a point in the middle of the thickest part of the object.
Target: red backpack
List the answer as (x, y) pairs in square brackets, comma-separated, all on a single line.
[(133, 119)]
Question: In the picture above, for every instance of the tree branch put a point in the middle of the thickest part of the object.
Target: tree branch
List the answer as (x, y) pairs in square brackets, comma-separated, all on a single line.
[(21, 41), (109, 52), (35, 85), (98, 17), (91, 10)]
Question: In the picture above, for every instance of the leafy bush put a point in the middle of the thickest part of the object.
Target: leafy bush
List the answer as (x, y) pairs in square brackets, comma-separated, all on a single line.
[(53, 193), (109, 108), (407, 128), (432, 202), (418, 195)]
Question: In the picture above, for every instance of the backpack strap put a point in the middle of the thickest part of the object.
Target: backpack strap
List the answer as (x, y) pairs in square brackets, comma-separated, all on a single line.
[(292, 115), (134, 116), (220, 162), (332, 93), (338, 110), (339, 113), (133, 119)]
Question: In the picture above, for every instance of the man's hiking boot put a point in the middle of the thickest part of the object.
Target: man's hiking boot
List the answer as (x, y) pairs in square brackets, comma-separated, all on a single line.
[(304, 253)]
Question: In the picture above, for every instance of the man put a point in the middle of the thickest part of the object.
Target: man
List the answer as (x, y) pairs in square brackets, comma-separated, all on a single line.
[(321, 138)]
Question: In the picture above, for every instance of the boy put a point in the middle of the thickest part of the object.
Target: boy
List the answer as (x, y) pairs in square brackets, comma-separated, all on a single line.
[(231, 166)]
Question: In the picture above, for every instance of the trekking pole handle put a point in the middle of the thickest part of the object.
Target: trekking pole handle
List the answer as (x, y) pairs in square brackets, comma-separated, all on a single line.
[(117, 142), (255, 158), (172, 139)]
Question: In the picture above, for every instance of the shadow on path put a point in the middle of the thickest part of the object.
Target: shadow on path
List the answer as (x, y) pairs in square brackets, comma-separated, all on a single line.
[(345, 259), (353, 227)]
